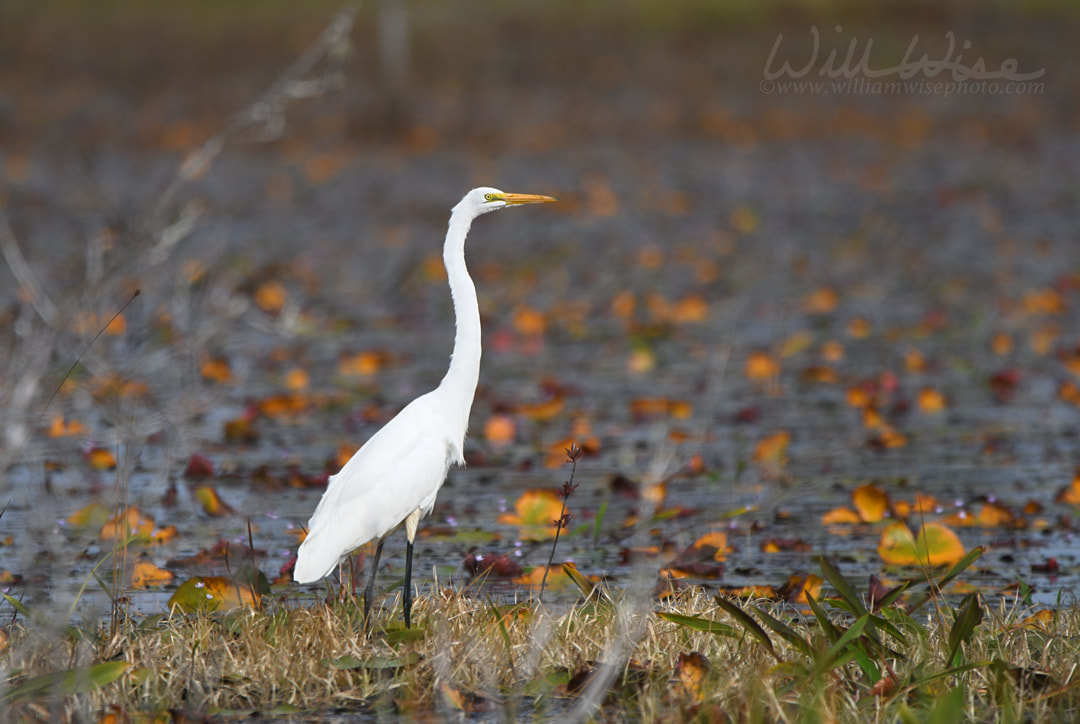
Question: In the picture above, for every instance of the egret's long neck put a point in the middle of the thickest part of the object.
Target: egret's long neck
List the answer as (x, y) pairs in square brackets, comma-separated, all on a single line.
[(459, 384)]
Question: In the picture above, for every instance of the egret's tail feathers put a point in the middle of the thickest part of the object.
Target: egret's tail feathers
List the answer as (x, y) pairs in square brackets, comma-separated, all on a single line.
[(315, 559)]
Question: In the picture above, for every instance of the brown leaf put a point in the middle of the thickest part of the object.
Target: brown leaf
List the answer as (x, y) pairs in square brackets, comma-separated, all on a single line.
[(199, 466), (871, 502), (691, 671), (498, 566), (146, 574)]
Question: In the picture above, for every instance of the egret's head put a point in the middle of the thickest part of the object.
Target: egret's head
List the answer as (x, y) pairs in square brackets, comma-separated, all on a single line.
[(485, 199)]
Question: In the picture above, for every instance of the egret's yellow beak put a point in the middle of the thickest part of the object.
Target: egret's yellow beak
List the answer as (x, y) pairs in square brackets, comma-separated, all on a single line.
[(517, 199)]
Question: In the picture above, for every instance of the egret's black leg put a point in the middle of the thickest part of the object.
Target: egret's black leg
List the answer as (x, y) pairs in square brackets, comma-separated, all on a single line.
[(369, 589), (407, 595)]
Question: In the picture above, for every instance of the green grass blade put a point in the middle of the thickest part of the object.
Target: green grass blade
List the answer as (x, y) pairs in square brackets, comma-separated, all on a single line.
[(72, 681), (967, 619), (785, 632), (700, 624), (598, 522), (869, 668), (752, 627), (973, 555), (827, 626), (843, 588), (852, 634), (948, 709), (890, 598)]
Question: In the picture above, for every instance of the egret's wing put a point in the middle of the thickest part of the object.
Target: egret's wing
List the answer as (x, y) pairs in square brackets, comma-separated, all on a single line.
[(398, 470)]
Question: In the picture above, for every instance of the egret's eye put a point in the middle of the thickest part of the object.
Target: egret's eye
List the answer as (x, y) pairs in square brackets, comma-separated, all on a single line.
[(490, 197)]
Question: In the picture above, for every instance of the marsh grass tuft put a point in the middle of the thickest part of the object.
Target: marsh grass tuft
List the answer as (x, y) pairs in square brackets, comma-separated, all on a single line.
[(694, 656)]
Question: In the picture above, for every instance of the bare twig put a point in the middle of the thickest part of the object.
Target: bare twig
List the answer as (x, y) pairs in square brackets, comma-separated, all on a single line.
[(24, 275), (262, 121), (573, 454)]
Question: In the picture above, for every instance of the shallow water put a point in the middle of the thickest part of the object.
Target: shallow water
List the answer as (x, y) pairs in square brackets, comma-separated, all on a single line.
[(936, 239)]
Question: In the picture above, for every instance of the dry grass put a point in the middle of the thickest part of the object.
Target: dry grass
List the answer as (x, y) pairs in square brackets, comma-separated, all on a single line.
[(523, 660)]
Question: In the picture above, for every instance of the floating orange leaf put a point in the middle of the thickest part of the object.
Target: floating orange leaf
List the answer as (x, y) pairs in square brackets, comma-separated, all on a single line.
[(771, 452), (599, 198), (320, 167), (777, 545), (434, 268), (90, 323), (859, 397), (146, 574), (500, 430), (758, 591), (1043, 301), (692, 670), (744, 219), (650, 256), (796, 343), (216, 370), (211, 593), (623, 305), (285, 404), (798, 586), (132, 522), (199, 466), (542, 411), (94, 515), (535, 512), (59, 428), (1001, 344), (361, 364), (922, 505), (936, 545), (914, 361), (529, 322), (112, 385), (556, 577), (822, 374), (889, 438), (859, 328), (873, 420), (1043, 338), (680, 409), (1044, 619), (101, 459), (840, 516), (991, 515), (641, 361), (832, 351), (871, 502), (1071, 360), (930, 400), (1068, 392), (344, 454), (693, 308), (271, 297), (297, 379), (240, 430), (1070, 494), (713, 545), (556, 452), (762, 366), (821, 301), (654, 493), (211, 502), (452, 696)]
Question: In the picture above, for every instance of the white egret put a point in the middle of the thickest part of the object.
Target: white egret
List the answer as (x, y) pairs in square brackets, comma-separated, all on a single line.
[(396, 475)]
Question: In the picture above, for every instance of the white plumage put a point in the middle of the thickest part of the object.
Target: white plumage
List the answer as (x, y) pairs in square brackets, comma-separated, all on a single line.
[(396, 475)]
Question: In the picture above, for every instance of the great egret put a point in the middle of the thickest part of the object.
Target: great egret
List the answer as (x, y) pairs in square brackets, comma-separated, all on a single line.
[(397, 473)]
